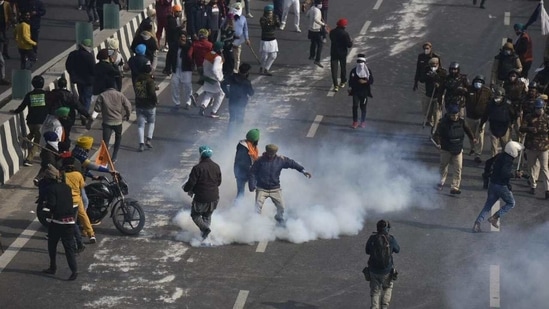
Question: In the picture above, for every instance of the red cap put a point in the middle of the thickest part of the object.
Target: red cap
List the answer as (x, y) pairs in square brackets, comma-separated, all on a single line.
[(342, 22)]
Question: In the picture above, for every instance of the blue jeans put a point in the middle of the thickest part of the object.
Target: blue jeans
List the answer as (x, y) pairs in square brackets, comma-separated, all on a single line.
[(145, 115), (495, 192), (85, 95)]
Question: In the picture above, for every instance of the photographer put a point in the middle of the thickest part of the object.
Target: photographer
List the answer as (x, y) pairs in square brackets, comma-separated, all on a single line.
[(380, 247)]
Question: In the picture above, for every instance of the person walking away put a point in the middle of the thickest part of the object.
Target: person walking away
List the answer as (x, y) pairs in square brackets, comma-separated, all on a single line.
[(163, 10), (213, 76), (105, 73), (341, 42), (145, 107), (81, 66), (227, 37), (380, 247), (35, 101), (238, 89), (422, 65), (504, 62), (476, 103), (523, 49), (74, 179), (268, 47), (180, 65), (360, 81), (6, 14), (25, 43), (137, 63), (147, 38), (264, 178), (500, 115), (240, 34), (315, 32), (203, 187), (536, 127), (115, 108), (246, 154), (449, 135), (500, 170), (56, 199), (295, 7)]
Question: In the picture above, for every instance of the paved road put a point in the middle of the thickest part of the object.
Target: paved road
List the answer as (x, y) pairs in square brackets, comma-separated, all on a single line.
[(56, 35), (387, 170)]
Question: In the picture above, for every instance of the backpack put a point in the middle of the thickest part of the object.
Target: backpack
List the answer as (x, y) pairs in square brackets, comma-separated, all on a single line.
[(381, 255)]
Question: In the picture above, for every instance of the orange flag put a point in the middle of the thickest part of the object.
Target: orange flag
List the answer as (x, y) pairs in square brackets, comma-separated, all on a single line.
[(104, 157)]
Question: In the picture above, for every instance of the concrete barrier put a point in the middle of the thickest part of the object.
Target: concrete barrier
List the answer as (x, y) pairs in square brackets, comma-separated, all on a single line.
[(14, 126)]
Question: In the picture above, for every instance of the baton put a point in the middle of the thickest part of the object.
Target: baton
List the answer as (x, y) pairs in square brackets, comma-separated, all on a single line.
[(520, 158), (428, 108), (255, 55)]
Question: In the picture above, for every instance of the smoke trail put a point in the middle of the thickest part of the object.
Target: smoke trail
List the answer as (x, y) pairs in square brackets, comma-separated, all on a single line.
[(347, 184)]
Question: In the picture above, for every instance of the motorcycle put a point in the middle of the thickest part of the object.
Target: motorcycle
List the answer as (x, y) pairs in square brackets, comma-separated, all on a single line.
[(126, 213)]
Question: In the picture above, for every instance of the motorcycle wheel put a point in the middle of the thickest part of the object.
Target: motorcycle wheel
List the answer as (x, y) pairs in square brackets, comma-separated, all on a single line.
[(129, 217), (41, 215)]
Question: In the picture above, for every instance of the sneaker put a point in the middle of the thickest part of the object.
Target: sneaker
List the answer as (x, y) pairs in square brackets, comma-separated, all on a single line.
[(311, 58), (363, 124), (214, 115), (80, 248), (141, 147), (472, 152), (260, 70), (532, 191), (97, 21), (187, 107), (49, 271), (440, 186), (202, 111), (205, 233), (249, 15), (354, 125), (476, 227), (494, 221), (93, 240), (297, 29), (336, 88), (455, 191), (73, 277), (165, 49), (80, 8), (319, 64), (267, 73), (36, 181), (342, 85), (478, 160), (148, 143), (282, 25), (27, 163)]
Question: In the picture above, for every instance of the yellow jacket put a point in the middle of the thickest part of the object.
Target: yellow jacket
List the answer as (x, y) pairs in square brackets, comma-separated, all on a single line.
[(75, 180), (23, 36)]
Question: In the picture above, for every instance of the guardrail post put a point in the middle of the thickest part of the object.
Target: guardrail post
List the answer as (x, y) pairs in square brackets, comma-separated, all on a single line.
[(83, 31), (136, 5), (111, 16)]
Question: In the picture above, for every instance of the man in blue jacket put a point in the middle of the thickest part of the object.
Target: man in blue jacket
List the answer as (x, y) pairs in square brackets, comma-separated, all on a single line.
[(265, 177)]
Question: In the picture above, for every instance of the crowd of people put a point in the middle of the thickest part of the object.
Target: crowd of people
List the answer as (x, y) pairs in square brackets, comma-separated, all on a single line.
[(514, 106)]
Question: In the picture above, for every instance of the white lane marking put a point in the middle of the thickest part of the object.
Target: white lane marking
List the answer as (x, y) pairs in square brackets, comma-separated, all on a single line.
[(365, 27), (261, 246), (494, 286), (378, 4), (494, 209), (18, 244), (314, 126), (507, 18), (241, 299)]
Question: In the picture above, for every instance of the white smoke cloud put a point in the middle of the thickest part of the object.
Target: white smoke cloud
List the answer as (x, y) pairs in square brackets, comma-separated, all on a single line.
[(345, 187)]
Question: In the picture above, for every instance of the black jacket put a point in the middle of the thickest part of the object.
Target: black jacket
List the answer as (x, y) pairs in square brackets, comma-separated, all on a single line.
[(204, 181), (395, 248), (500, 117), (265, 172), (149, 40), (422, 65), (106, 74), (450, 134), (172, 30), (63, 98), (56, 198), (36, 102), (80, 65), (242, 161), (238, 89), (183, 53), (341, 42), (500, 169), (145, 93), (361, 90)]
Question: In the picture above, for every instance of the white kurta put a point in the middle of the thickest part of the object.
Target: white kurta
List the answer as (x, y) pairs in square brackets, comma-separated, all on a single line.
[(214, 73), (268, 46)]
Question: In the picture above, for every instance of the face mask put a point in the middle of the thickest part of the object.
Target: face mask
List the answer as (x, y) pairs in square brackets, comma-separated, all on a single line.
[(498, 100), (319, 6), (507, 52), (427, 51), (477, 85), (434, 69)]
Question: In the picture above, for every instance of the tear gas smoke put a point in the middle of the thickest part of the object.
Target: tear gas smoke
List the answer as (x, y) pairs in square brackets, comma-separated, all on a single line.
[(347, 184)]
